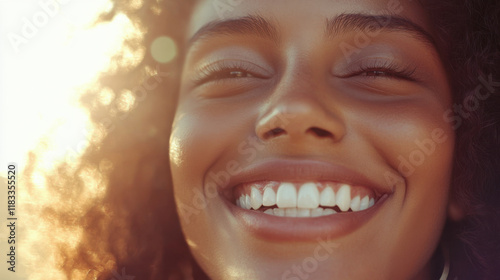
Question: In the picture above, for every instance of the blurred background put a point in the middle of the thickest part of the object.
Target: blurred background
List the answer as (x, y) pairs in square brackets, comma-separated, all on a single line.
[(50, 53)]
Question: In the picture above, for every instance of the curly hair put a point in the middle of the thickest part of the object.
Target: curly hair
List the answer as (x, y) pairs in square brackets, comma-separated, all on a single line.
[(472, 30), (132, 224)]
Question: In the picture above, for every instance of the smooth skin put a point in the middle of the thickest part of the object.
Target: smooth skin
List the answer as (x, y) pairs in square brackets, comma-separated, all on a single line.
[(300, 92)]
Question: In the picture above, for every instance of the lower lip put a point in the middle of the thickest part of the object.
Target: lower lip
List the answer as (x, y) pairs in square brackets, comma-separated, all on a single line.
[(286, 229)]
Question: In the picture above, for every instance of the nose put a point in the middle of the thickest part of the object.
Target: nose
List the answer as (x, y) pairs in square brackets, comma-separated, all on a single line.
[(299, 117)]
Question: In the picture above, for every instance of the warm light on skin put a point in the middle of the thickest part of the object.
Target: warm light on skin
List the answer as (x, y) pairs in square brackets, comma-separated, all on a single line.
[(245, 72)]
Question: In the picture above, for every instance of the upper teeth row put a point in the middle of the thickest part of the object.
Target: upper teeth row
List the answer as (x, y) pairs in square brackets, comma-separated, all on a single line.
[(308, 197)]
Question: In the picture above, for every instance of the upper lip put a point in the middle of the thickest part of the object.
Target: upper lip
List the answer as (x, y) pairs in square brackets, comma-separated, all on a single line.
[(302, 170)]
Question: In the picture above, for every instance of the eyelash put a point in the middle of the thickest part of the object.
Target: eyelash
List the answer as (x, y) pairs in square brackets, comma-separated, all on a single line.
[(215, 72), (391, 70)]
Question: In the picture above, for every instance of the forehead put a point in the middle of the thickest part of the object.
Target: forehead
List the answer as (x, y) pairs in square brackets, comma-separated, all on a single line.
[(300, 15)]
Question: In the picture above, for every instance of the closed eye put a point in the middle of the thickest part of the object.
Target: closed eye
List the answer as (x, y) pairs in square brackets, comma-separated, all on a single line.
[(404, 74), (377, 69), (228, 70)]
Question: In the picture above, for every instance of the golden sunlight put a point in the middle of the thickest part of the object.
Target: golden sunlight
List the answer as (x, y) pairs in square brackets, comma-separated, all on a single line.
[(45, 75), (52, 53)]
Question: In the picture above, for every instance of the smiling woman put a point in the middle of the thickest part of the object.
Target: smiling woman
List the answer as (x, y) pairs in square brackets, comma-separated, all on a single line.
[(334, 140), (263, 63)]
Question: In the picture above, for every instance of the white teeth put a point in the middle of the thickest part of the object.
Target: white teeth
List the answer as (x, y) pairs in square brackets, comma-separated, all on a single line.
[(344, 197), (269, 197), (303, 212), (279, 212), (307, 202), (241, 201), (316, 212), (308, 196), (328, 211), (356, 203), (291, 212), (255, 198), (248, 202), (286, 196), (327, 197), (364, 203), (300, 212)]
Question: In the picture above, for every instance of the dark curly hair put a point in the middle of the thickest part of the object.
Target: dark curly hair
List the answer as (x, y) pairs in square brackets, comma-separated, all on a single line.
[(472, 53), (133, 228)]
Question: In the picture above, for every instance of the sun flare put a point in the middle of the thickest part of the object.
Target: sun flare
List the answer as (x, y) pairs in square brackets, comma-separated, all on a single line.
[(53, 53)]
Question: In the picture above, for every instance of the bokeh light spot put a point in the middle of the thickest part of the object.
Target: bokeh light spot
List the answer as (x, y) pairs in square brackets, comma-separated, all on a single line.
[(163, 49), (106, 95), (126, 101)]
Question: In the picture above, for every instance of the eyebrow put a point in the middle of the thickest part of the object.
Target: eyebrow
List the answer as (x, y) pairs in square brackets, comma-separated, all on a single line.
[(258, 26), (373, 23), (248, 25)]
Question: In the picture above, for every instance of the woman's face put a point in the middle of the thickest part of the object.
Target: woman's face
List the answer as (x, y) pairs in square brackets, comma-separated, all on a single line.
[(309, 140)]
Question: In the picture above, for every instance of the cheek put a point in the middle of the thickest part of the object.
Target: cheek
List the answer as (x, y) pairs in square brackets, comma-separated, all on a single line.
[(418, 147), (205, 138), (190, 153), (201, 135), (415, 139), (193, 148)]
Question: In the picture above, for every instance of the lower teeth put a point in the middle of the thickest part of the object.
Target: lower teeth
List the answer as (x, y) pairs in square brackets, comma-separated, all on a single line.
[(299, 212)]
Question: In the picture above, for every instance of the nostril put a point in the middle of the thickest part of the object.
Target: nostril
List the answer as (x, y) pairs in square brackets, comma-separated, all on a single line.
[(274, 132), (320, 132)]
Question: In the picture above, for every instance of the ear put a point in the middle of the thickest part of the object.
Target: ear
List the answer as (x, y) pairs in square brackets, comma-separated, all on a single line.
[(456, 212)]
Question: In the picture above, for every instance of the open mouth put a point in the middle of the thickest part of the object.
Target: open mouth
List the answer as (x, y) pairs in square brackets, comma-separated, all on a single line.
[(306, 199), (300, 200)]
